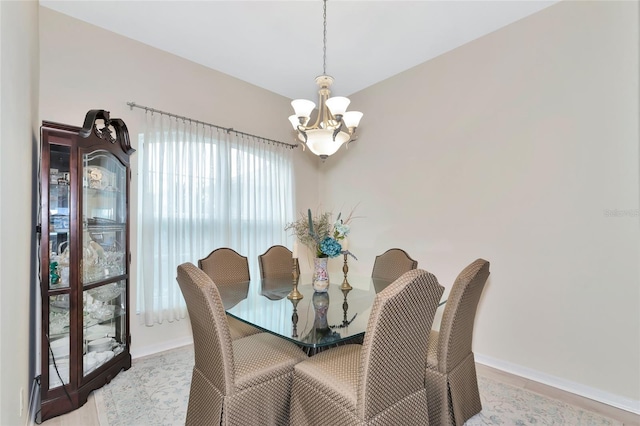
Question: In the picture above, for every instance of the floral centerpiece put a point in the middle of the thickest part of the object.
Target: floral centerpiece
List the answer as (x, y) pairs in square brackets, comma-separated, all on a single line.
[(325, 239), (322, 236)]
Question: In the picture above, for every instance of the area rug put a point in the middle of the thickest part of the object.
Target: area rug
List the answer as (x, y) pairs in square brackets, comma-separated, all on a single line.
[(155, 391)]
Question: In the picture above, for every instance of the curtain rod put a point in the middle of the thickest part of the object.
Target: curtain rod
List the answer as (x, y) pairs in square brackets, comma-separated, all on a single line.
[(133, 105)]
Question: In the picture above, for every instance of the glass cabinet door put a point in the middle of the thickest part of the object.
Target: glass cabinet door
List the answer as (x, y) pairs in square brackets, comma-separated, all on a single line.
[(104, 331), (59, 216), (59, 339), (104, 247), (59, 268), (104, 217)]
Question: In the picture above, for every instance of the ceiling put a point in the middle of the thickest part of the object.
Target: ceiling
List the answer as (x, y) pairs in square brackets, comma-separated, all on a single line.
[(277, 45)]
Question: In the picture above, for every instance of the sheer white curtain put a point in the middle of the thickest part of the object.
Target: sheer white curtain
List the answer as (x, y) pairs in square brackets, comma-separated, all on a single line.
[(202, 188)]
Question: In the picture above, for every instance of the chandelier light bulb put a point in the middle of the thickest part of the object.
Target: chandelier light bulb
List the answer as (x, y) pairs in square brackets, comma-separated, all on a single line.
[(338, 105), (303, 107), (351, 119)]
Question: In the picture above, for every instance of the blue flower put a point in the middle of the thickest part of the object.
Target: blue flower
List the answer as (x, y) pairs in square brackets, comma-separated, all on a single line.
[(341, 229), (330, 247), (320, 234)]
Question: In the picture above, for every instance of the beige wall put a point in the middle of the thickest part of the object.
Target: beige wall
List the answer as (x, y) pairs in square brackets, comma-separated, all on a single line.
[(84, 67), (514, 148), (18, 147), (510, 148)]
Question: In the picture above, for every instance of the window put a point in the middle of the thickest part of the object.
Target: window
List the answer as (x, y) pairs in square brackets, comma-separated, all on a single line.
[(201, 188)]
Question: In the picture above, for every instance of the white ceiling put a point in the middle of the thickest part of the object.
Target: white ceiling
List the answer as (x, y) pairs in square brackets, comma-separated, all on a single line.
[(277, 45)]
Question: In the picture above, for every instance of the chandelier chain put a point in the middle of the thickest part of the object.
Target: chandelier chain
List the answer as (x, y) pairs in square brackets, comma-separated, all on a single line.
[(324, 39)]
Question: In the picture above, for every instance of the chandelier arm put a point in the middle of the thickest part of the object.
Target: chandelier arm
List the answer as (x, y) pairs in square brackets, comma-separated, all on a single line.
[(318, 119), (303, 132), (337, 130), (323, 95)]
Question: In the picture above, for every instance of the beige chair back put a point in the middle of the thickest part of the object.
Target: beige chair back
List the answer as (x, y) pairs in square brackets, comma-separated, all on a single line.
[(456, 328), (211, 338), (390, 265), (394, 350), (247, 382), (276, 262), (225, 266), (230, 271)]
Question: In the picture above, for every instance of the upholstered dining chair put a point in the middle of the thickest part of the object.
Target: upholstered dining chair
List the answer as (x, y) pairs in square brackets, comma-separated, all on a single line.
[(391, 264), (276, 262), (450, 377), (225, 266), (241, 382), (228, 268), (380, 382)]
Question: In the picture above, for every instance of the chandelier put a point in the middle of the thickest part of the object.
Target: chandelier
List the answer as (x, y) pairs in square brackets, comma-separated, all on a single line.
[(333, 125)]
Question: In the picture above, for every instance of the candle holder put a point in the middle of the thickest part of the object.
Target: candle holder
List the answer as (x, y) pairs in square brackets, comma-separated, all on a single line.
[(295, 294), (294, 317), (345, 269), (345, 307)]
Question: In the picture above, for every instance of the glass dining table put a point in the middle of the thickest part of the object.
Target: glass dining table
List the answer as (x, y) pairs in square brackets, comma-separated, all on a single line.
[(315, 322)]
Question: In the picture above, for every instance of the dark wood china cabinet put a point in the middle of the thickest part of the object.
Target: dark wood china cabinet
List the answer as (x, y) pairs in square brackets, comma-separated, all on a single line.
[(84, 258)]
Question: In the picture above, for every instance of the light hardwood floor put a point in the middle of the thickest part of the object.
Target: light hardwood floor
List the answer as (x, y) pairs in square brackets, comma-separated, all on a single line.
[(87, 415), (627, 418)]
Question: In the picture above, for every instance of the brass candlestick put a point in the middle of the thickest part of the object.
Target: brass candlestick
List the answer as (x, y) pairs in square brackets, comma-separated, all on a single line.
[(345, 268), (294, 317), (345, 307), (295, 294)]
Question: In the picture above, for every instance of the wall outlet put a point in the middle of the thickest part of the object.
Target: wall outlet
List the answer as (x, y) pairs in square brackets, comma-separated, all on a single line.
[(21, 401)]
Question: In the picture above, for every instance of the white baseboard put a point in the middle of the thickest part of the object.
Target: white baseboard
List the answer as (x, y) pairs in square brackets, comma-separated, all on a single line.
[(608, 398), (161, 347), (604, 397)]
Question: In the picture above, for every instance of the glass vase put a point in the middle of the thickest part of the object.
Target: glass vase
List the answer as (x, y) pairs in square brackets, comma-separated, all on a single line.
[(320, 274)]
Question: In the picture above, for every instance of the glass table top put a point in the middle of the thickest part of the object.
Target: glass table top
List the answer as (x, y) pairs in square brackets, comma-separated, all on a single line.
[(316, 320)]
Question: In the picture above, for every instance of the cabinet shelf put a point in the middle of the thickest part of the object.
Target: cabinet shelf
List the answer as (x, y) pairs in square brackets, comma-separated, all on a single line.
[(58, 289), (101, 192), (103, 279), (105, 317), (117, 227)]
